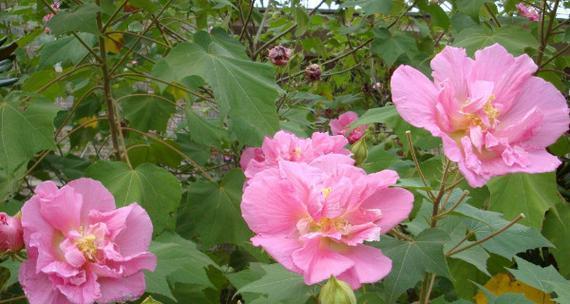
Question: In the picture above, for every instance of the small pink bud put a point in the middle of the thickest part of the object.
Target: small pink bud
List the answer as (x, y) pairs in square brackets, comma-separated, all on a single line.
[(11, 237), (279, 55), (313, 72)]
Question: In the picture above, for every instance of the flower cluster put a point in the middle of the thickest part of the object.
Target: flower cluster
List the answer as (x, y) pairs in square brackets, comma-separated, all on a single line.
[(493, 116), (80, 248), (312, 209)]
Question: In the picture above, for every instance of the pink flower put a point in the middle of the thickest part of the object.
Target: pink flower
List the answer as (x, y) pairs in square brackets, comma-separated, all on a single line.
[(81, 249), (55, 7), (527, 11), (314, 218), (493, 115), (11, 239), (280, 55), (286, 146), (341, 126)]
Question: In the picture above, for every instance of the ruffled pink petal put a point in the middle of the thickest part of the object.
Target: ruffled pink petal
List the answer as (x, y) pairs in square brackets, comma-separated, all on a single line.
[(37, 286), (509, 74), (137, 224), (452, 66), (95, 196), (270, 205), (280, 248), (549, 102), (395, 204), (318, 261), (370, 265), (62, 211), (323, 143), (415, 97), (86, 293), (121, 290)]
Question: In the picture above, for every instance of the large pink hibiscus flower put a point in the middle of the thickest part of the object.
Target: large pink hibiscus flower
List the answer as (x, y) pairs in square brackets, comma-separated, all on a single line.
[(493, 115)]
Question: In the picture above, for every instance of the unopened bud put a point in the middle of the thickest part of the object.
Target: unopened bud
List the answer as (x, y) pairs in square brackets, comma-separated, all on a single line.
[(313, 72), (360, 151), (11, 233), (336, 292), (279, 55)]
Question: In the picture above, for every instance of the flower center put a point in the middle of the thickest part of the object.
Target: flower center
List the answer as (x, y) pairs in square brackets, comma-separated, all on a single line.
[(86, 244), (326, 192), (297, 152), (330, 225)]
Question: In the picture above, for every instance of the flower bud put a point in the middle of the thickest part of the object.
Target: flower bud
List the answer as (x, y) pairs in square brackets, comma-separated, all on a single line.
[(336, 292), (279, 55), (360, 151), (313, 72), (11, 233)]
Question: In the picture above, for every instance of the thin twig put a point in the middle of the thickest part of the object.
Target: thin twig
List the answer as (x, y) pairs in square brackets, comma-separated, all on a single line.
[(12, 299), (459, 201), (490, 236), (186, 157), (417, 163), (244, 28)]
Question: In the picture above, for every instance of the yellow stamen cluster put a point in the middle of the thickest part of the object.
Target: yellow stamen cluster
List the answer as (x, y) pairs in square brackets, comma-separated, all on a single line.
[(86, 244), (326, 192)]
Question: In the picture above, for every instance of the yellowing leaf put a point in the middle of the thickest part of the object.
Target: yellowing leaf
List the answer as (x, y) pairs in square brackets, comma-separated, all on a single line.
[(114, 42), (503, 283), (89, 122)]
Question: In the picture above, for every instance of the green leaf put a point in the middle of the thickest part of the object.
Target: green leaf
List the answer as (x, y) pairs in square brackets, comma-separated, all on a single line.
[(471, 7), (411, 260), (279, 284), (376, 115), (178, 261), (530, 194), (546, 279), (156, 189), (67, 50), (148, 112), (557, 230), (390, 46), (24, 132), (370, 7), (13, 267), (81, 19), (243, 88), (514, 39), (518, 238), (438, 16), (203, 131), (214, 211)]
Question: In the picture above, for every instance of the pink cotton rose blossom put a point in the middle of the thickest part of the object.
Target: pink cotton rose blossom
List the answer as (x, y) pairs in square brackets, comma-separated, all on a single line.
[(11, 239), (493, 115), (313, 218), (287, 146), (529, 12), (280, 55), (81, 249), (341, 126)]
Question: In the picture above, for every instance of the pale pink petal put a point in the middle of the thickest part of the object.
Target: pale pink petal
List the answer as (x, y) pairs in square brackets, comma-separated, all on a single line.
[(319, 262), (453, 66), (370, 265), (323, 143), (37, 286), (395, 204), (415, 97), (549, 102), (269, 204), (63, 211), (494, 63), (138, 224), (95, 196), (121, 290), (280, 248), (86, 293)]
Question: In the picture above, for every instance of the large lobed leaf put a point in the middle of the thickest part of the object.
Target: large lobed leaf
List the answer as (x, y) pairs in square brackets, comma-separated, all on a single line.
[(156, 189), (246, 90)]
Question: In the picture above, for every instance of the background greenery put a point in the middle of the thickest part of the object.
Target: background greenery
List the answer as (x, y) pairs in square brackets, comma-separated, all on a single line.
[(160, 96)]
